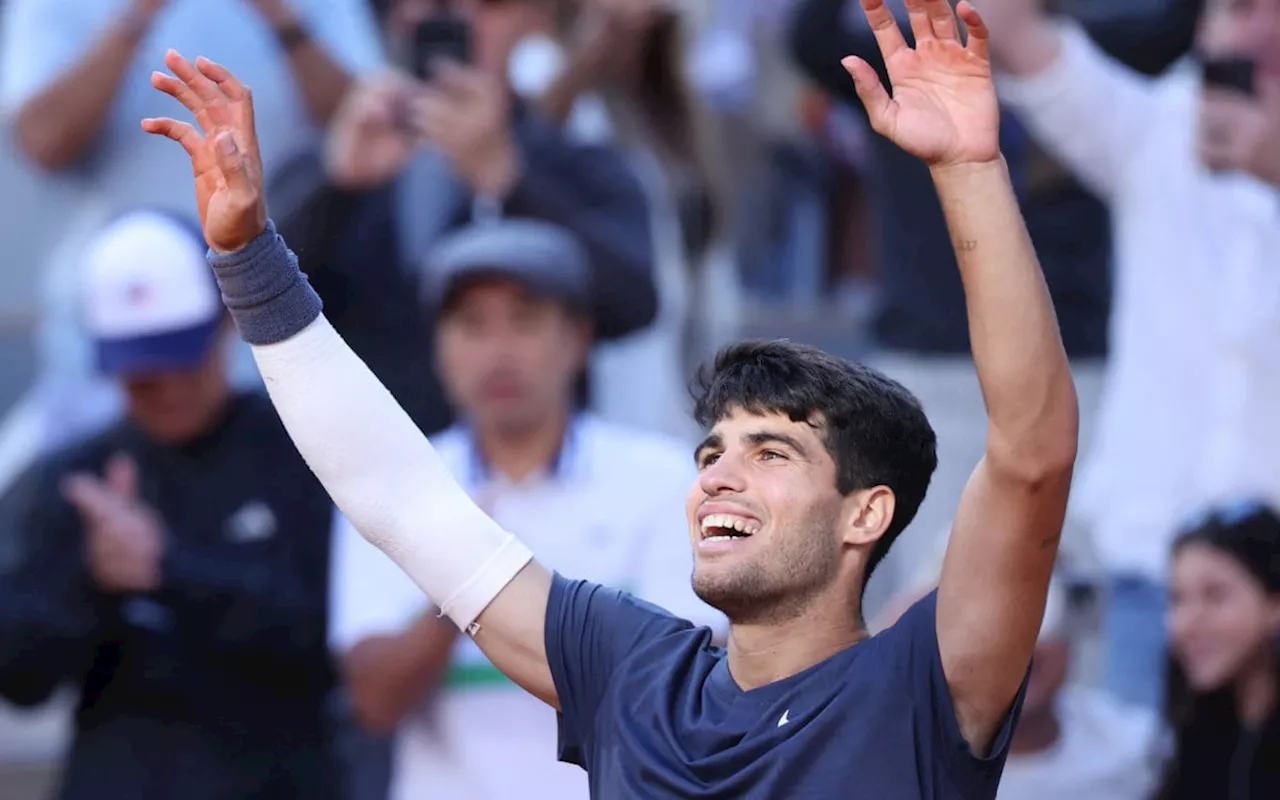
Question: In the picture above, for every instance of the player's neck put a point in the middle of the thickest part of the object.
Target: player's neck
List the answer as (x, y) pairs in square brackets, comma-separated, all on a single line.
[(764, 652), (519, 452)]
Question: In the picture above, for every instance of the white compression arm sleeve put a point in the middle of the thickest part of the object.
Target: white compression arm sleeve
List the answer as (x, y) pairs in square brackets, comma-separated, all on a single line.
[(377, 466)]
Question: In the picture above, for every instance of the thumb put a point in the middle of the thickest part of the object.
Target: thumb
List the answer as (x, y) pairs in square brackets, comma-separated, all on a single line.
[(122, 476), (232, 163), (88, 494), (875, 98)]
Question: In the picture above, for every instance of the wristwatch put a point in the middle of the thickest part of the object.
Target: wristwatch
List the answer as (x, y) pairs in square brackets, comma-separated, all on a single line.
[(291, 35)]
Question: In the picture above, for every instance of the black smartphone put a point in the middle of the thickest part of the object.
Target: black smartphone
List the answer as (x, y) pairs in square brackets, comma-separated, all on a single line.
[(437, 38), (1234, 74)]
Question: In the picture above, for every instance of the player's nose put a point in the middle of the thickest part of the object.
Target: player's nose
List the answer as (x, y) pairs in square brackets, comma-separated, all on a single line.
[(723, 476)]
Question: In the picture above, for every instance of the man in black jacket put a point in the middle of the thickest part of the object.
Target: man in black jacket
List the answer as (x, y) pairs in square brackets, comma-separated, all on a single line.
[(409, 159), (174, 566)]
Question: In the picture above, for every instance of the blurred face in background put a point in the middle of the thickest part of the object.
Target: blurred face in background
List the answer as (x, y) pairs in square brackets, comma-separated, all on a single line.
[(1248, 28), (510, 358), (176, 406), (496, 26), (1221, 619)]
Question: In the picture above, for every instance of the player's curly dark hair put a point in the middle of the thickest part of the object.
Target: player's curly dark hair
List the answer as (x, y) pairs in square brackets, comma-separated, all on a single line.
[(874, 429)]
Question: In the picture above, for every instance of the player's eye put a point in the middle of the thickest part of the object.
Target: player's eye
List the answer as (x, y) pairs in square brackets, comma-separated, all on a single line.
[(707, 459), (771, 455)]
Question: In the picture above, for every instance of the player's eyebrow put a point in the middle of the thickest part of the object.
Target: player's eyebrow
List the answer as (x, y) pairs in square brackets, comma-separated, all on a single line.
[(774, 437), (713, 440)]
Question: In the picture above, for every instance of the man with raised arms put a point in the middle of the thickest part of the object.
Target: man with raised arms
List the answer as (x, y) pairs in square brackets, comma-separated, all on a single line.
[(811, 467)]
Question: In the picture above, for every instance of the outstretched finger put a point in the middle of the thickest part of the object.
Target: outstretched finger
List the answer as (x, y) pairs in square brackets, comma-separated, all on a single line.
[(181, 132), (875, 98), (89, 495), (210, 96), (943, 20), (182, 93), (229, 84), (888, 36), (979, 37), (918, 17)]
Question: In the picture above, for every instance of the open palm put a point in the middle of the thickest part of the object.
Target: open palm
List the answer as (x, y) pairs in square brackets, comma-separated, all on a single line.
[(223, 151), (943, 108)]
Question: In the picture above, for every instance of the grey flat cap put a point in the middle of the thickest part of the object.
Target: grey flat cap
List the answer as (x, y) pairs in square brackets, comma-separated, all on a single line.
[(545, 257)]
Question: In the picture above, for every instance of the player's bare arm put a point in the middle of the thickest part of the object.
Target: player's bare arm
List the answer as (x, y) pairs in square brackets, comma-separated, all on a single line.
[(1005, 536), (378, 467)]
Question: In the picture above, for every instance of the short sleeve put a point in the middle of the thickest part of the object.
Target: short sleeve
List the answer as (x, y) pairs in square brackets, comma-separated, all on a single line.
[(348, 31), (590, 630), (39, 40), (912, 650), (369, 595)]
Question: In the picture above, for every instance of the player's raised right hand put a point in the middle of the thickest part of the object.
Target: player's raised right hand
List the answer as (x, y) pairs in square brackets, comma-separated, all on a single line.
[(224, 151)]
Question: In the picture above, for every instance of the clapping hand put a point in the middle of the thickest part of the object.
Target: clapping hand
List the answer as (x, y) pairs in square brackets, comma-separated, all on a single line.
[(943, 109), (124, 538), (224, 150)]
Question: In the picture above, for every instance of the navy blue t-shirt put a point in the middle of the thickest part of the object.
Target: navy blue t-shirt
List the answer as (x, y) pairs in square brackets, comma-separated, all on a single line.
[(649, 709)]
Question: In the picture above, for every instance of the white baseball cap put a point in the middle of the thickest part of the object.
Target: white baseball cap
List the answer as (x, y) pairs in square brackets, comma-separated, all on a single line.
[(148, 296)]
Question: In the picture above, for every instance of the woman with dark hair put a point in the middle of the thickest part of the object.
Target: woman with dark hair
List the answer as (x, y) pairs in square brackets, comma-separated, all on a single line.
[(1224, 630)]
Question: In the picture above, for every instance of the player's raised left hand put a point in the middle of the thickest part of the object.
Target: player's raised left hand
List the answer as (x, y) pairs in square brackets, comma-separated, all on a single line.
[(943, 108), (224, 151)]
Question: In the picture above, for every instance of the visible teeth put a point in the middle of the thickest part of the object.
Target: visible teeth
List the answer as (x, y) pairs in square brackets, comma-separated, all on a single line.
[(728, 522), (720, 538)]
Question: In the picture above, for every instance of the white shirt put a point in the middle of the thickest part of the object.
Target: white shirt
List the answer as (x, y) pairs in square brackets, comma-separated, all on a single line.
[(1105, 752), (1190, 414), (612, 512)]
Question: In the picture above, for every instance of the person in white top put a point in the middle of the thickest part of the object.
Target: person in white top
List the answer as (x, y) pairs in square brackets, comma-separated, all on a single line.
[(1190, 165), (513, 339)]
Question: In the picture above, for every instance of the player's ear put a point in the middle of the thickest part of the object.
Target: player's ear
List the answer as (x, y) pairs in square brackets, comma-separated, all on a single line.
[(867, 515)]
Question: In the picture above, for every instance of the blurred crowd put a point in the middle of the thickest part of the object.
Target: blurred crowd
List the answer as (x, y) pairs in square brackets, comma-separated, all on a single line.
[(533, 219)]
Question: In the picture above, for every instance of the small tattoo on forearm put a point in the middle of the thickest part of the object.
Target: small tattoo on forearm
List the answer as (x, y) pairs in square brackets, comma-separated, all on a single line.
[(967, 245), (1050, 541)]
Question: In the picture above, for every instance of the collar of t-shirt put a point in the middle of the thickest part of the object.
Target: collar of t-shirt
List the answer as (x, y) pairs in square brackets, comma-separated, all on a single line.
[(479, 473)]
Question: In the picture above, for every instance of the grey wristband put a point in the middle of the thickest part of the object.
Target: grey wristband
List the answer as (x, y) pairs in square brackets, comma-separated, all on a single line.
[(268, 296)]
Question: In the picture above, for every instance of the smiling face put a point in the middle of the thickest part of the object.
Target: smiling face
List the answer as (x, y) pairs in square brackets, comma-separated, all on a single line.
[(811, 468), (769, 529), (1220, 617)]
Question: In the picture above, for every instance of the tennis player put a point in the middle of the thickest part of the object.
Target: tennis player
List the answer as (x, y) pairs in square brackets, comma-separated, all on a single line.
[(811, 467)]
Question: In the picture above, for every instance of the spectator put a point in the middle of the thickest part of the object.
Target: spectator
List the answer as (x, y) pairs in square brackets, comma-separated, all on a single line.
[(1192, 174), (628, 56), (514, 332), (74, 83), (362, 218), (1225, 670), (174, 566)]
